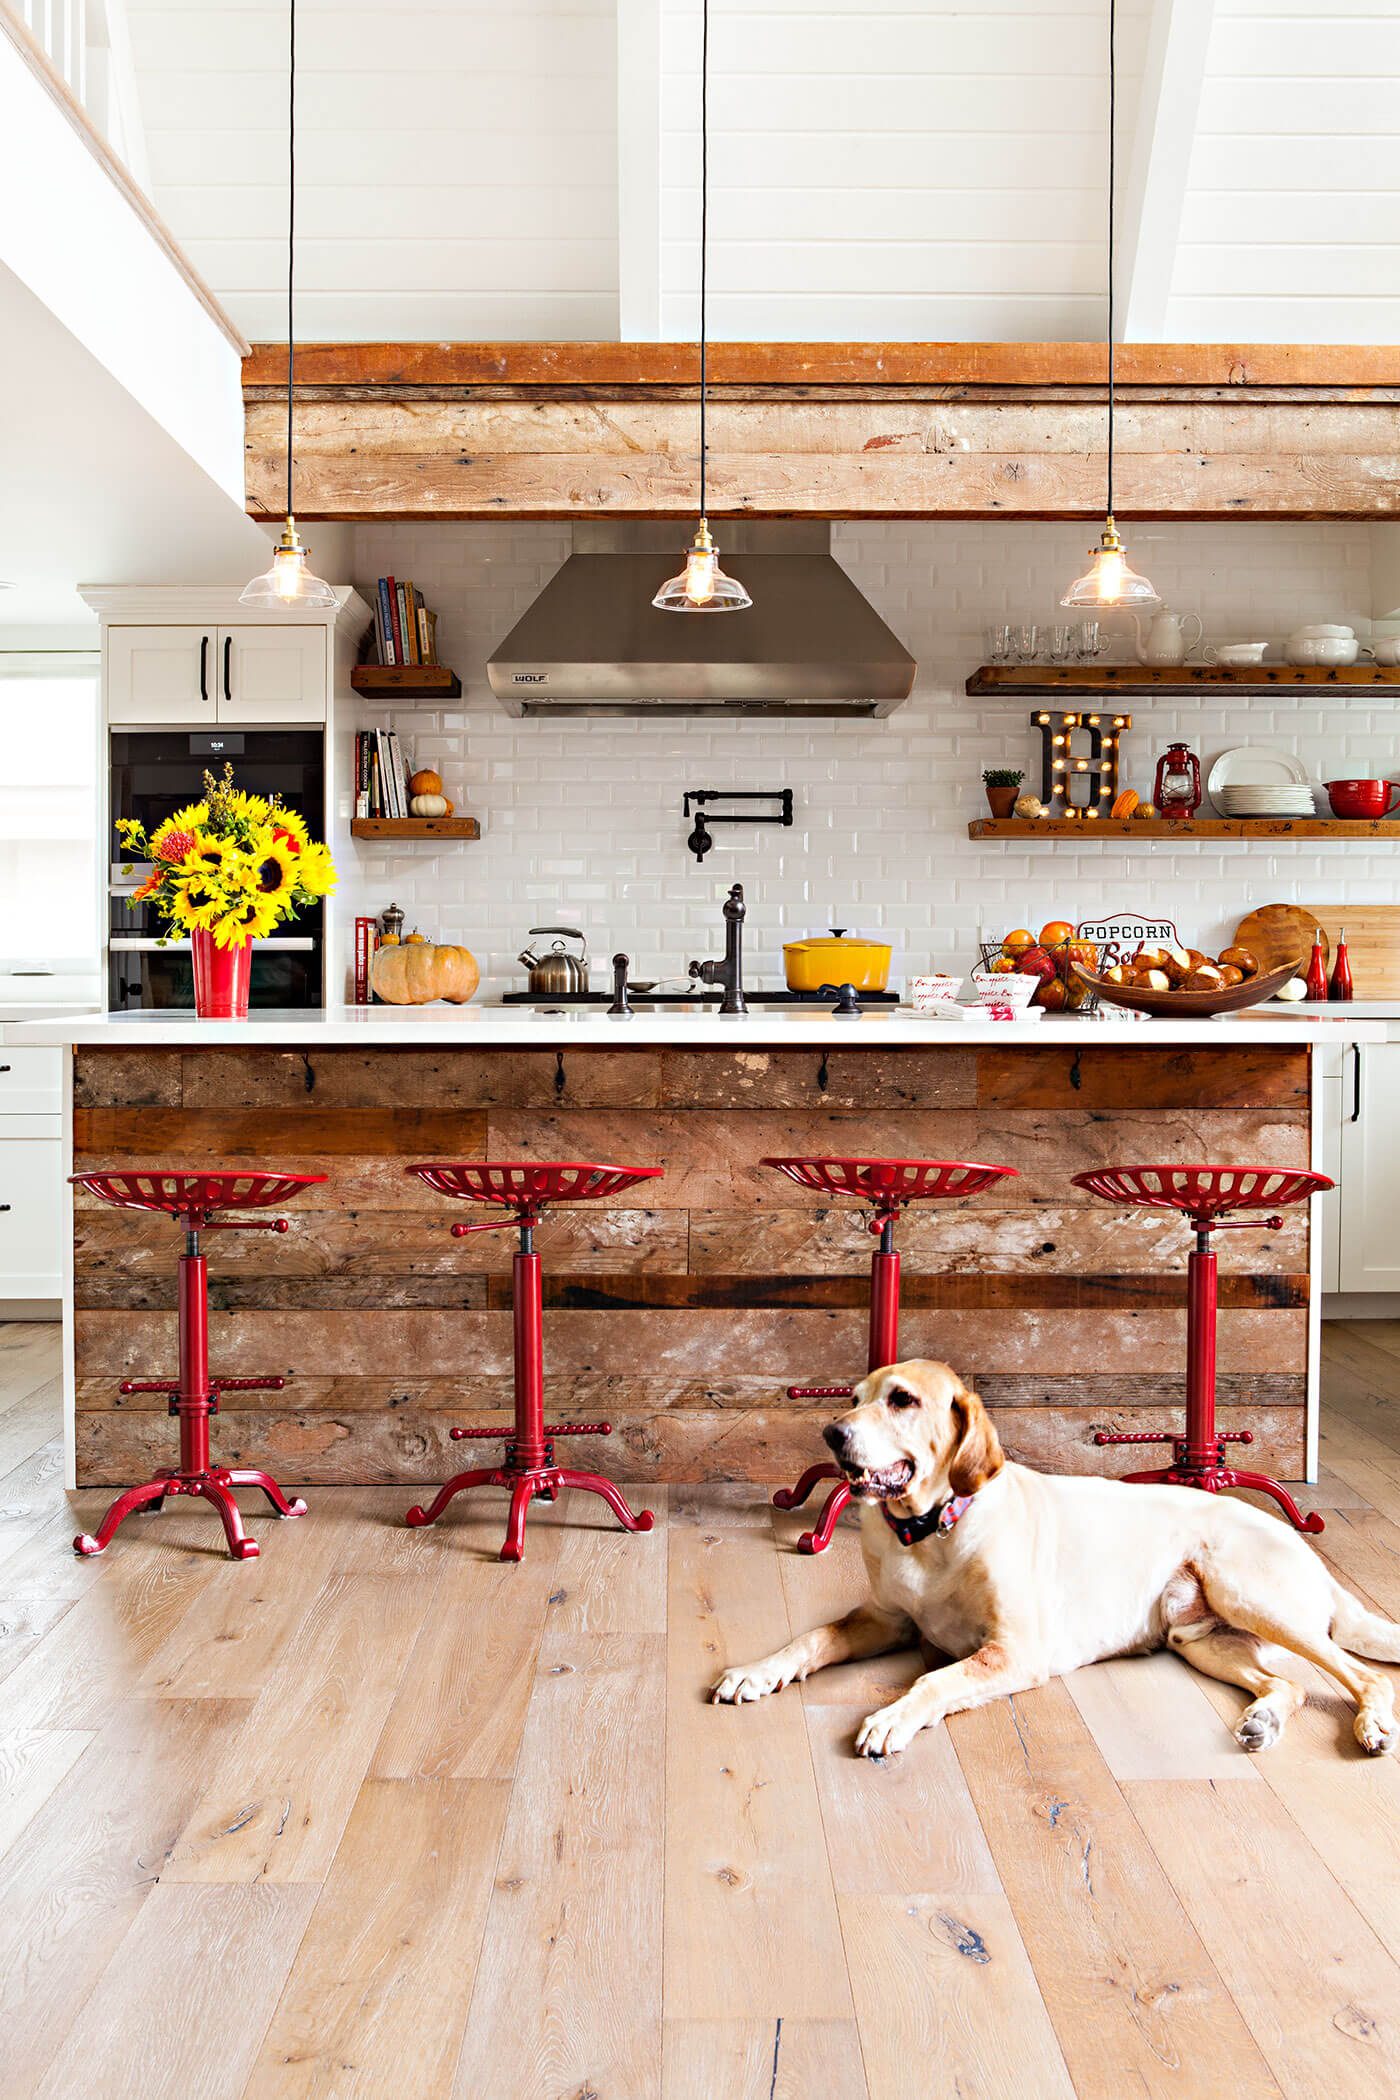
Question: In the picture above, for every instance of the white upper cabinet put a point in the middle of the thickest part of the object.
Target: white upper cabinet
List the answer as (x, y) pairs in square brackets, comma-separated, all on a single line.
[(162, 674), (196, 674), (272, 674)]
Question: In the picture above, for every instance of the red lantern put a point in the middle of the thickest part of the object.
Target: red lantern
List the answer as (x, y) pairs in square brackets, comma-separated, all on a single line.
[(1177, 787)]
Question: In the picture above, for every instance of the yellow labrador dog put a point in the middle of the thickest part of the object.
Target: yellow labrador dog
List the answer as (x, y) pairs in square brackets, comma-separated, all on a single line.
[(1025, 1575)]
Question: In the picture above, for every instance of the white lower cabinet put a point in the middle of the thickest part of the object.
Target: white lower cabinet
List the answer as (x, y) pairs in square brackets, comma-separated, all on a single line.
[(1368, 1125), (34, 1193)]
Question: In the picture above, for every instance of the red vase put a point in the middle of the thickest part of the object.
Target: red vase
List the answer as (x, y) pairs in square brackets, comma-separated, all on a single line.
[(221, 978)]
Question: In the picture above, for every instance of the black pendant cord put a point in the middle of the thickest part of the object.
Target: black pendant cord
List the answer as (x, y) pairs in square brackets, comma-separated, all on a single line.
[(291, 226), (1112, 190), (704, 218)]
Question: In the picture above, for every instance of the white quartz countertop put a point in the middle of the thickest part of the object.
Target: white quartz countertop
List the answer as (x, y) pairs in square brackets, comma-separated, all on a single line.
[(485, 1027)]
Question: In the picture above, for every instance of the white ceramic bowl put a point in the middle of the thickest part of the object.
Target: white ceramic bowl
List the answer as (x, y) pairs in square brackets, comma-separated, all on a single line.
[(1321, 652), (1239, 655), (1388, 651), (934, 990), (1004, 988), (1322, 632)]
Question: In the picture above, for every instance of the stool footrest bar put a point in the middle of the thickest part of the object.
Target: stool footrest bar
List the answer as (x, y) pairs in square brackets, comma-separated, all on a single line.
[(507, 1431), (820, 1392), (1144, 1436), (249, 1385), (149, 1385)]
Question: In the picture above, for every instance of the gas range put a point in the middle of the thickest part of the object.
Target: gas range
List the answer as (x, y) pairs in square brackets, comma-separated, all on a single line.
[(694, 997)]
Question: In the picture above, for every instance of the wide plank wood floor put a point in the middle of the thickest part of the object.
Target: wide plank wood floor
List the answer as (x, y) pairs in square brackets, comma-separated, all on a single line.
[(374, 1818)]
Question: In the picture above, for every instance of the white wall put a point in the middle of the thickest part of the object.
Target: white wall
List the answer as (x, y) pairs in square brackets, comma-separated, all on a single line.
[(582, 819), (1291, 227), (892, 170), (455, 163)]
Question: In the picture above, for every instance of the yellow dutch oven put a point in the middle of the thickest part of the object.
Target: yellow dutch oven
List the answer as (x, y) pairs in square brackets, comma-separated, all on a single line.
[(833, 959)]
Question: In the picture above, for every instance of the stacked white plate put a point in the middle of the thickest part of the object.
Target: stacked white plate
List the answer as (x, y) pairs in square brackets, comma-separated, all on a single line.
[(1253, 782)]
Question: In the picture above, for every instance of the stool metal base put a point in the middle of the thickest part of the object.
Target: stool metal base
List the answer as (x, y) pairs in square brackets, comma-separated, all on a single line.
[(215, 1484), (524, 1484), (819, 1537), (1194, 1469)]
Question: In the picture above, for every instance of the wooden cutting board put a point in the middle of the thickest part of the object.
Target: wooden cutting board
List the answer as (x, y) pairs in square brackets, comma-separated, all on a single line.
[(1373, 940)]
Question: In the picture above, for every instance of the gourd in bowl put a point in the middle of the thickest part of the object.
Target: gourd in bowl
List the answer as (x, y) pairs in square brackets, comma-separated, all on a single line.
[(418, 973)]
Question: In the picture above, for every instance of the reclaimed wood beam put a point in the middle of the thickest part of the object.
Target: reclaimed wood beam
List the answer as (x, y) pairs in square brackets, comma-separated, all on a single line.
[(977, 430), (554, 365)]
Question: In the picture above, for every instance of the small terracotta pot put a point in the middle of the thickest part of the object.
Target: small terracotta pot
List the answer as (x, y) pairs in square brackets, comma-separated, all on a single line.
[(1001, 801), (221, 977)]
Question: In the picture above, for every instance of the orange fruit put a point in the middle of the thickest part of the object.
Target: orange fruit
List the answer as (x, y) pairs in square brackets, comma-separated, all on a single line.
[(1015, 942), (1054, 932)]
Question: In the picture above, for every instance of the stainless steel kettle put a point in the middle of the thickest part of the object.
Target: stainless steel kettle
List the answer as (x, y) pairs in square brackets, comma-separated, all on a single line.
[(557, 973)]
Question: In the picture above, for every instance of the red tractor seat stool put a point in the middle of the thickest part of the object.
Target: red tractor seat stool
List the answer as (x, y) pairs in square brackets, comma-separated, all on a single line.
[(523, 1189), (1204, 1194), (885, 1185), (195, 1199)]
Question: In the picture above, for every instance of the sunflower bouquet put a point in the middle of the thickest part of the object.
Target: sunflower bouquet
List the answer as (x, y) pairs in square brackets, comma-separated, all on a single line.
[(233, 865)]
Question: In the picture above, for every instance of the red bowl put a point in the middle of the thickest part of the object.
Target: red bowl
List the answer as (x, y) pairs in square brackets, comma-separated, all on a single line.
[(1362, 798)]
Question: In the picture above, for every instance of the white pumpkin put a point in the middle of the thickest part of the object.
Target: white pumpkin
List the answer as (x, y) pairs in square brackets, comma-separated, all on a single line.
[(428, 806)]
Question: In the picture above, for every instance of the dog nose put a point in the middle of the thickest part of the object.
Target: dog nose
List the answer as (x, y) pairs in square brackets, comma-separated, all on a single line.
[(834, 1437)]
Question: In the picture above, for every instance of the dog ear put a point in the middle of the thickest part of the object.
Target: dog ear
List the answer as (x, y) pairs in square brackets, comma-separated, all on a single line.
[(977, 1453)]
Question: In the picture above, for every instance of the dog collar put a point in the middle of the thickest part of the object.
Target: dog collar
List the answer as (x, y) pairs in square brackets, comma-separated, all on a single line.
[(911, 1531)]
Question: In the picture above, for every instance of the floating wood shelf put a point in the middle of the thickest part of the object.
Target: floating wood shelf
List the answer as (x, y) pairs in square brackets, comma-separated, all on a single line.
[(1271, 828), (415, 828), (406, 681), (1045, 681)]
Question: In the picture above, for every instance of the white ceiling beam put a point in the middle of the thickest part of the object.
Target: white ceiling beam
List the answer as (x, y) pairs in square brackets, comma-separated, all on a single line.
[(639, 170), (1154, 190)]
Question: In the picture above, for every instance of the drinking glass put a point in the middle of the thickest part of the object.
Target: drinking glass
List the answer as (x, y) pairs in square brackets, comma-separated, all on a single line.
[(1025, 642), (998, 643), (1089, 641), (1061, 644)]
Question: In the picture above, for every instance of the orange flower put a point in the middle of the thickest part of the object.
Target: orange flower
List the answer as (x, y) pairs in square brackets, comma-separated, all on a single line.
[(149, 886)]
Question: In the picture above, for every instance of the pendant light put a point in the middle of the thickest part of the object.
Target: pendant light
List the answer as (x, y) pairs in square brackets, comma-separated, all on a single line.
[(289, 582), (1108, 580), (702, 586)]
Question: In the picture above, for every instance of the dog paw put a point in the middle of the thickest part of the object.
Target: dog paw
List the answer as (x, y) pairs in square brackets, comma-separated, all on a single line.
[(882, 1734), (1258, 1728), (749, 1681), (1378, 1734)]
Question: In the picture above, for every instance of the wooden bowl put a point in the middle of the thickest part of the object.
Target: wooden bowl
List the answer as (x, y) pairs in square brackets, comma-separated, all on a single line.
[(1195, 1006)]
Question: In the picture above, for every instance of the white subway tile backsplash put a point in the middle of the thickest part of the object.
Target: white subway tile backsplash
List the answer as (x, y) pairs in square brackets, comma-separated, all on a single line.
[(582, 819)]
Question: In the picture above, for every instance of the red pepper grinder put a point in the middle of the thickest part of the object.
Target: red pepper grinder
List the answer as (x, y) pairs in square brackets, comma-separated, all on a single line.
[(1341, 986), (1317, 968), (1176, 789)]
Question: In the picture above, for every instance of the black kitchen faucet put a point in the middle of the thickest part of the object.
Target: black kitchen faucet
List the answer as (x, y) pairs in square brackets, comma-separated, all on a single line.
[(730, 972)]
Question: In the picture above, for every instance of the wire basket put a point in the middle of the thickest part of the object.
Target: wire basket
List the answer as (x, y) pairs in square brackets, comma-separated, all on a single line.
[(1065, 992)]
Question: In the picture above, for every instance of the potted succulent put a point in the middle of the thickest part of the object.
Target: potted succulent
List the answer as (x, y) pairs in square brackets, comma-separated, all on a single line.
[(225, 870), (1003, 784)]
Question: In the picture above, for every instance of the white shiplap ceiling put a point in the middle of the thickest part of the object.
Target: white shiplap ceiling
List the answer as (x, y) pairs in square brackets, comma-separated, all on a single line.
[(881, 169)]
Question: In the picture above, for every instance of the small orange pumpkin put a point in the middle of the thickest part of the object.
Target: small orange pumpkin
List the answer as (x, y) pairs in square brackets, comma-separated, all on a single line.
[(1125, 805), (426, 782)]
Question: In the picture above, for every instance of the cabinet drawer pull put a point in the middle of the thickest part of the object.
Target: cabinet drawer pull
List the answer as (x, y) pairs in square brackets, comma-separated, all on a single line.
[(228, 654), (1356, 1084), (6, 1068), (204, 667)]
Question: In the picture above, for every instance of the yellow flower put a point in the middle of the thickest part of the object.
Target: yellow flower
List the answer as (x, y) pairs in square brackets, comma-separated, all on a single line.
[(195, 900), (276, 865), (317, 870), (291, 824), (248, 920), (211, 855)]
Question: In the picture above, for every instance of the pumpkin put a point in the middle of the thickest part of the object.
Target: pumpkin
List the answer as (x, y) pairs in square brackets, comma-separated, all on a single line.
[(417, 975), (1125, 804), (425, 783), (430, 806), (417, 940), (1028, 806)]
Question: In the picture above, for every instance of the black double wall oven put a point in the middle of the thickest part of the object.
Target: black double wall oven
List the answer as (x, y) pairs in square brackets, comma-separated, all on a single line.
[(154, 772)]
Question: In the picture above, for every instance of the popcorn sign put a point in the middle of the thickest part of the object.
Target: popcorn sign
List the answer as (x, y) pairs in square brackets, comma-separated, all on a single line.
[(1126, 932)]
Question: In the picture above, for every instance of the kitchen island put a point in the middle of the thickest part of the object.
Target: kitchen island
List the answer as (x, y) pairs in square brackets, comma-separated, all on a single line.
[(682, 1310)]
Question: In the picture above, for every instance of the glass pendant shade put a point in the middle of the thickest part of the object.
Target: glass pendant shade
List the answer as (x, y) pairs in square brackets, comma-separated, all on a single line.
[(702, 586), (1108, 581), (288, 582)]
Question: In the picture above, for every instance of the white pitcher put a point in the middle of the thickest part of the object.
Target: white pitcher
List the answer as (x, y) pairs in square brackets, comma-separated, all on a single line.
[(1161, 640)]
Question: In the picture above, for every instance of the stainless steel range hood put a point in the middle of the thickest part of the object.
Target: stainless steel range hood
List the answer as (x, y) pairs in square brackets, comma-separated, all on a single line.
[(593, 644)]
